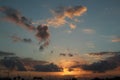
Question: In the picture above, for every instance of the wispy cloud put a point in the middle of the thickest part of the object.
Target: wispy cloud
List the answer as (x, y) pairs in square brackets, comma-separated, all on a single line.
[(72, 26), (2, 53), (89, 31), (116, 39), (103, 53), (63, 13), (17, 39)]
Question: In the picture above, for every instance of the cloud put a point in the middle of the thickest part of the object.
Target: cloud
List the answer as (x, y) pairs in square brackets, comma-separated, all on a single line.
[(104, 53), (110, 63), (62, 54), (31, 61), (70, 55), (16, 39), (71, 12), (56, 21), (41, 32), (13, 63), (76, 20), (66, 54), (116, 39), (88, 31), (27, 40), (101, 66), (63, 13), (72, 26), (104, 65), (48, 68), (43, 36), (5, 53), (28, 64), (15, 16)]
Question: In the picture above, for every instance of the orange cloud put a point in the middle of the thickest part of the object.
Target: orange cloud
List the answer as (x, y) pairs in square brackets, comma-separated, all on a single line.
[(116, 39), (72, 26), (56, 21), (61, 15), (76, 11)]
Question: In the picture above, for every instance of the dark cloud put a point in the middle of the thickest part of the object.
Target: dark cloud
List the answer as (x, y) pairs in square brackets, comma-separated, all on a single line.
[(15, 16), (42, 32), (17, 39), (51, 51), (12, 63), (27, 40), (29, 64), (48, 68), (103, 53), (109, 63), (31, 61), (65, 54), (5, 53), (101, 66), (42, 46), (62, 54), (70, 55), (43, 36)]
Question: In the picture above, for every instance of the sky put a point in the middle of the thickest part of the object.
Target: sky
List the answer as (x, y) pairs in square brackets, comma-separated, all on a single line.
[(70, 33)]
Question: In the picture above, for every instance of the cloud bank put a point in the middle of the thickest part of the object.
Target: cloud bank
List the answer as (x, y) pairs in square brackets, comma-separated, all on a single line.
[(101, 66), (105, 65), (48, 68), (29, 64), (5, 53)]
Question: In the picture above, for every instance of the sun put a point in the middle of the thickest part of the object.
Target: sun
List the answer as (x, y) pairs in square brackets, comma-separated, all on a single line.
[(67, 72)]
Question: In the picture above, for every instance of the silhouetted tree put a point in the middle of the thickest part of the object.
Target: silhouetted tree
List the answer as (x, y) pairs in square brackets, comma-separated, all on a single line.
[(74, 78)]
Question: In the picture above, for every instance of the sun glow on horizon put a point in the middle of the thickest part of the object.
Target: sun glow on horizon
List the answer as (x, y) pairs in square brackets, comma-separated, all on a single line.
[(67, 72)]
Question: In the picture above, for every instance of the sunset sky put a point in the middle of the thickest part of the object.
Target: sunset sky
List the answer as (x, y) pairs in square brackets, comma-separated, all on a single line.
[(78, 35)]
